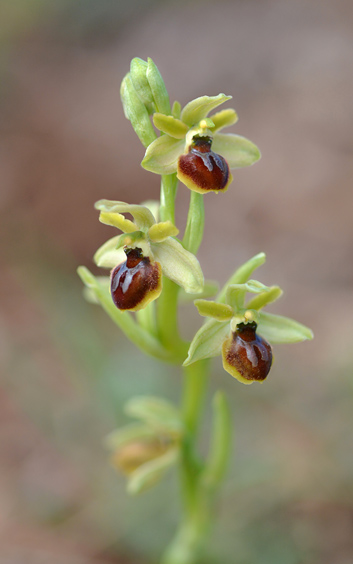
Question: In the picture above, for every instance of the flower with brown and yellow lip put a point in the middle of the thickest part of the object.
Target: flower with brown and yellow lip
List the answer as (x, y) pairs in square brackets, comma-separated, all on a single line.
[(193, 147), (241, 332)]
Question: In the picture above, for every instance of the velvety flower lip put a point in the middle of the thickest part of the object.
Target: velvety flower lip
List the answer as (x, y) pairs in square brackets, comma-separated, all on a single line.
[(241, 332), (136, 282), (175, 150)]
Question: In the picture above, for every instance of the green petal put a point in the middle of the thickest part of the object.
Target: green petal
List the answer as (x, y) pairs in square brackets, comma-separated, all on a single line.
[(279, 329), (236, 292), (159, 91), (171, 126), (199, 108), (142, 215), (176, 109), (268, 297), (136, 112), (161, 231), (156, 412), (242, 274), (237, 150), (162, 155), (220, 312), (151, 472), (208, 341), (224, 118), (179, 265), (117, 220)]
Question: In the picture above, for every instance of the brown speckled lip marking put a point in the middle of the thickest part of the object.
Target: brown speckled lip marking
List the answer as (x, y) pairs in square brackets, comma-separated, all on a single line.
[(205, 169), (133, 281), (249, 353)]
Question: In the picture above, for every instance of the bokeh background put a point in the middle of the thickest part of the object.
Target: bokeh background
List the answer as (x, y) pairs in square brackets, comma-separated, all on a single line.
[(66, 370)]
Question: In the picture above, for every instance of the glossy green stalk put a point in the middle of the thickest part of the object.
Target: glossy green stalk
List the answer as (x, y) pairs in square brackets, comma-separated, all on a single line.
[(195, 223), (169, 184)]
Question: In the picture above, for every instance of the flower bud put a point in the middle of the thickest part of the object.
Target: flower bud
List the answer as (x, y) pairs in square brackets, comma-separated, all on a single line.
[(201, 169), (136, 282), (133, 455), (246, 355)]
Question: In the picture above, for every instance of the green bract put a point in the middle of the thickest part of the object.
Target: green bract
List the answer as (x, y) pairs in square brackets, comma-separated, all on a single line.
[(163, 153), (156, 239), (225, 317)]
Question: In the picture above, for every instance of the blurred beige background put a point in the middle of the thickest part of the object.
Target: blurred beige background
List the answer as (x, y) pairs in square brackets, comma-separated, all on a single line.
[(66, 371)]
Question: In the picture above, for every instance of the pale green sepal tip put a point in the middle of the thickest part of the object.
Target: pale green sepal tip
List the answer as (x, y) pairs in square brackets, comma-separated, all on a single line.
[(198, 109), (265, 298), (224, 118), (220, 312), (170, 125), (208, 341), (237, 150), (178, 264), (151, 472), (176, 109), (278, 329), (127, 434), (142, 215), (242, 274), (159, 91), (162, 155), (157, 412), (136, 112), (138, 70), (161, 231)]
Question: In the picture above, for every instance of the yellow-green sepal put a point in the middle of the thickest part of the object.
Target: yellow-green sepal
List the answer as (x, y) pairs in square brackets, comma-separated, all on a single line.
[(220, 312), (237, 150), (198, 109), (162, 155), (278, 329), (208, 341), (179, 265)]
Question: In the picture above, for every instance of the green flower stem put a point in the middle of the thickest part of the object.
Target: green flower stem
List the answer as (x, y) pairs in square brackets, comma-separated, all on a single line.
[(167, 321), (169, 184), (200, 482), (195, 223)]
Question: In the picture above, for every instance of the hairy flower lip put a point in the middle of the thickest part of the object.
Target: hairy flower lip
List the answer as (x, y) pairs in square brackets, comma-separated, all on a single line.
[(246, 355), (203, 170), (136, 282)]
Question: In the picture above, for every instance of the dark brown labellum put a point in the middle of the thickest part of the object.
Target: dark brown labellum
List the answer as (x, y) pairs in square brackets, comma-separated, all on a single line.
[(135, 282), (203, 170), (247, 355)]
